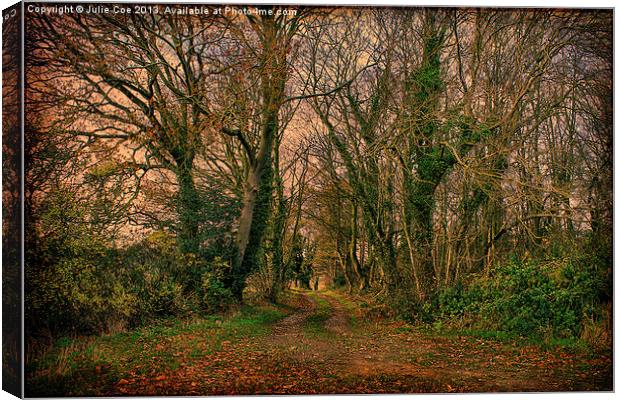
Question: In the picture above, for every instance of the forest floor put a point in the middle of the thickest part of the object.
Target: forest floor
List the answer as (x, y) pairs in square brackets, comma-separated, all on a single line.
[(320, 342)]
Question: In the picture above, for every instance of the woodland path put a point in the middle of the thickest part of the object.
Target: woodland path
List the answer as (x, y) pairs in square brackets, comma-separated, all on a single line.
[(324, 346)]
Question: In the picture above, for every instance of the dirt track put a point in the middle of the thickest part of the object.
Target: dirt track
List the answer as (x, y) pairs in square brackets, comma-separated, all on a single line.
[(338, 356)]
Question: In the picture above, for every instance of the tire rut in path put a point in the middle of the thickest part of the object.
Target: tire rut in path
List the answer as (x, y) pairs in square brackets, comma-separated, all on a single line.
[(338, 322), (292, 341), (291, 327)]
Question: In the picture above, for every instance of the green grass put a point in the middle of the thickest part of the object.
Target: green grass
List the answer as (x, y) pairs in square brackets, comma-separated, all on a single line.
[(500, 336), (315, 323), (91, 365), (571, 345), (404, 329), (351, 307)]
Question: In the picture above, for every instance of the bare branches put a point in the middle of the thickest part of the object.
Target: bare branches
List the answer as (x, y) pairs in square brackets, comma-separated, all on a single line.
[(332, 91), (241, 137)]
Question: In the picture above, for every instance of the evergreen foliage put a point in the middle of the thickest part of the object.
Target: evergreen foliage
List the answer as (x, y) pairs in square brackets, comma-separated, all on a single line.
[(527, 298)]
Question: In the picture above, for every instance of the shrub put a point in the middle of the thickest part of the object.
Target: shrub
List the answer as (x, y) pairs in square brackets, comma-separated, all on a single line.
[(78, 294), (160, 295), (339, 281), (78, 285), (158, 255), (526, 298), (215, 296)]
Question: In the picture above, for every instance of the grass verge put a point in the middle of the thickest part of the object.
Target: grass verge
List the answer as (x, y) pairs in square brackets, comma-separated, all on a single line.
[(90, 366)]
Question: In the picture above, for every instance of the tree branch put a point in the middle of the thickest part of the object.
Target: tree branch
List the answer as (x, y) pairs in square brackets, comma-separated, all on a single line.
[(239, 135), (334, 90)]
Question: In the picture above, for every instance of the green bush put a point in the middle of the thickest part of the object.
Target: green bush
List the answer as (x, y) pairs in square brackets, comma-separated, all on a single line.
[(79, 292), (526, 298), (156, 260), (78, 285), (78, 282), (160, 295), (71, 282), (339, 281), (163, 278), (215, 296)]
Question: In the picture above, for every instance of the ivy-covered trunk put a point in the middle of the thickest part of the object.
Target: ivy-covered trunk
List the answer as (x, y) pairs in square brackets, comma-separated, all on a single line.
[(359, 269), (259, 185), (279, 227), (430, 160), (252, 224), (188, 208), (421, 220)]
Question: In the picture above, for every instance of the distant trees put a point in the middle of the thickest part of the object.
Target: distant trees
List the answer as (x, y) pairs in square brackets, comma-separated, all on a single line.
[(459, 137)]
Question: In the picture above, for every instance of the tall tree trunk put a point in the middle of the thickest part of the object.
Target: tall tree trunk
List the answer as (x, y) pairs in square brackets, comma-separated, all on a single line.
[(252, 223), (188, 206), (360, 272), (424, 155), (258, 189), (422, 228), (279, 227)]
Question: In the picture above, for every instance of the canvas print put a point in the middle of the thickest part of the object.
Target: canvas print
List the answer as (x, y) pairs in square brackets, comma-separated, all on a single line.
[(270, 199)]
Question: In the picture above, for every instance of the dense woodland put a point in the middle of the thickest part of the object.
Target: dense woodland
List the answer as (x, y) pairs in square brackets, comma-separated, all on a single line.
[(449, 165)]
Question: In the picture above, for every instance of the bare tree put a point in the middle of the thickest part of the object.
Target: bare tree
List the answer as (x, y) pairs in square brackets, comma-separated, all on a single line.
[(136, 86)]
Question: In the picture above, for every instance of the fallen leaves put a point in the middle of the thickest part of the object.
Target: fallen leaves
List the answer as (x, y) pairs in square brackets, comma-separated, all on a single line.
[(372, 358)]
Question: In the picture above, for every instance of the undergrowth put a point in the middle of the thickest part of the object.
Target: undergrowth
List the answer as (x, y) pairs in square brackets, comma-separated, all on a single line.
[(552, 303)]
